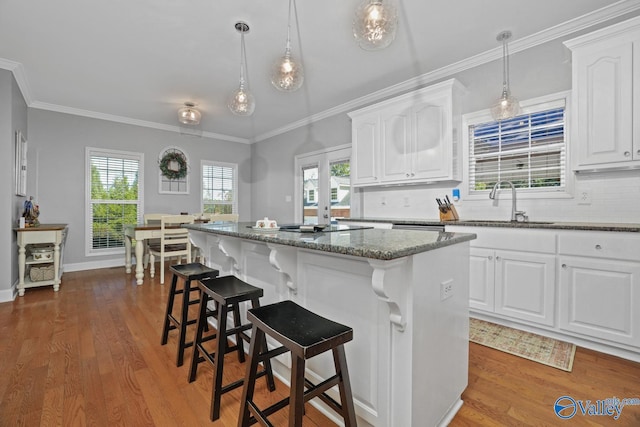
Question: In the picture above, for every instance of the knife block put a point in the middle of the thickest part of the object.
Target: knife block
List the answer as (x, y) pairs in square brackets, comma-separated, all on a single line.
[(450, 214)]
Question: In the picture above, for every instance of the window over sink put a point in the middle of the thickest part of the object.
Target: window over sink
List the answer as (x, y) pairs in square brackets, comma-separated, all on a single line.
[(529, 150)]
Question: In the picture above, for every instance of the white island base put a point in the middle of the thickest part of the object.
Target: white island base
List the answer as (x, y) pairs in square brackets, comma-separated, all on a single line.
[(408, 361)]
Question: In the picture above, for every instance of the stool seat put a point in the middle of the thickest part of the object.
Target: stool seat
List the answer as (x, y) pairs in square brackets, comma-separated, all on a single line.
[(227, 292), (304, 334), (188, 273)]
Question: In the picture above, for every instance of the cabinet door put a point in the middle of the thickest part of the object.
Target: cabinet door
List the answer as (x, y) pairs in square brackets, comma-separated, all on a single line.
[(366, 137), (394, 143), (604, 81), (600, 298), (481, 279), (431, 154), (525, 284)]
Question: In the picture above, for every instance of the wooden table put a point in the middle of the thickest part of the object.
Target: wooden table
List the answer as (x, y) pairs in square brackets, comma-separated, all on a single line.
[(44, 233), (139, 233)]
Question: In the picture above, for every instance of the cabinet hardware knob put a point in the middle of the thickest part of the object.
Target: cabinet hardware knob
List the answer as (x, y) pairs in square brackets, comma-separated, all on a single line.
[(638, 152), (413, 174), (490, 258), (564, 265), (408, 175), (598, 247), (627, 153), (497, 258)]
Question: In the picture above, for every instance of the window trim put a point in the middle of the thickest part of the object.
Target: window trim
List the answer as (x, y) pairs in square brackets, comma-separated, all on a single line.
[(234, 166), (529, 106), (93, 151)]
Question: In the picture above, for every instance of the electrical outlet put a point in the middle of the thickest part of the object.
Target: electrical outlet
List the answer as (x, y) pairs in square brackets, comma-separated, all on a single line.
[(446, 290), (584, 196)]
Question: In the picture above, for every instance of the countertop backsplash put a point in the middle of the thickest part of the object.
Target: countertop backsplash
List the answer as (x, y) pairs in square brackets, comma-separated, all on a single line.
[(615, 198)]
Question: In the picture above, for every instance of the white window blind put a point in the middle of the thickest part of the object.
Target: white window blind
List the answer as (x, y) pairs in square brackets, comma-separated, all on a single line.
[(114, 199), (219, 188), (528, 150)]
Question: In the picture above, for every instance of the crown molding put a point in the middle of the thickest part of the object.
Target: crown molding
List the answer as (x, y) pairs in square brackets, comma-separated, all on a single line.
[(561, 30), (127, 120), (21, 78)]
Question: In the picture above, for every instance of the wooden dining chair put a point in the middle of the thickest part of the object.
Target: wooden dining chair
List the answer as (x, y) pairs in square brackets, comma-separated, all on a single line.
[(174, 242), (150, 219)]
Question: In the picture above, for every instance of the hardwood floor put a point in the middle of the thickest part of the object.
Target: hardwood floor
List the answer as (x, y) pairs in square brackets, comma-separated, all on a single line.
[(90, 354)]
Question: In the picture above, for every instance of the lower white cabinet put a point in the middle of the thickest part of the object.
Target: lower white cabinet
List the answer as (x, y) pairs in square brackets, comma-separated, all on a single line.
[(515, 284), (599, 285), (513, 273)]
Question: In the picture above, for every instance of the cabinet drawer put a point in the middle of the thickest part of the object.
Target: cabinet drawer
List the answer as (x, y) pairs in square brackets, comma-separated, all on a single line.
[(514, 239), (623, 246)]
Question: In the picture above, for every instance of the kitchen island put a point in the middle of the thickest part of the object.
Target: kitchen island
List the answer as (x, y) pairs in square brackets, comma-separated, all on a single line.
[(404, 293)]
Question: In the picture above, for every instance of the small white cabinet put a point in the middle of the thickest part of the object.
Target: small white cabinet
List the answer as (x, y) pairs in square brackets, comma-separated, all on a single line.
[(54, 234), (408, 139), (599, 285), (606, 92)]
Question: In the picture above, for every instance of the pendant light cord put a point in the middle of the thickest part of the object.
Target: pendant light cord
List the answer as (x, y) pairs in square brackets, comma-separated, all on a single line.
[(288, 48), (242, 59)]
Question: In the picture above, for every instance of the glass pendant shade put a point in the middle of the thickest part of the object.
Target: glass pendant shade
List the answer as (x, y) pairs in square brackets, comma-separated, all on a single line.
[(287, 73), (375, 24), (506, 106), (188, 115), (241, 101)]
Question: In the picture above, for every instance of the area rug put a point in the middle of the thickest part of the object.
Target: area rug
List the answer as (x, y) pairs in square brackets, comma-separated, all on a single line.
[(547, 351)]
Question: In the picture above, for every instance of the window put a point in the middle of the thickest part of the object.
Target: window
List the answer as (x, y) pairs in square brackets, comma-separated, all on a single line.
[(312, 196), (334, 194), (219, 188), (528, 150), (114, 198)]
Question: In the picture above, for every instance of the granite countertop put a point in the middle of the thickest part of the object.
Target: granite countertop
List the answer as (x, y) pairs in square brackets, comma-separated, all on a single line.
[(555, 225), (366, 243)]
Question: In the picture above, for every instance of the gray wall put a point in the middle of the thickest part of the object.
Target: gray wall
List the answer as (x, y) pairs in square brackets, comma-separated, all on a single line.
[(13, 117), (57, 143)]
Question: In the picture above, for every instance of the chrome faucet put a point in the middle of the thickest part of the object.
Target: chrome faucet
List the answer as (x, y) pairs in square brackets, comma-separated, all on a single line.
[(515, 213)]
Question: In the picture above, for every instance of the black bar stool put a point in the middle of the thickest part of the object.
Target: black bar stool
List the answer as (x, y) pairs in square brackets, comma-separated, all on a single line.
[(227, 292), (188, 273), (305, 335)]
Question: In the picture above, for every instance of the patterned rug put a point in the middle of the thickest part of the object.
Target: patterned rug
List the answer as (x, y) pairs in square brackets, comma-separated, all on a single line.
[(547, 351)]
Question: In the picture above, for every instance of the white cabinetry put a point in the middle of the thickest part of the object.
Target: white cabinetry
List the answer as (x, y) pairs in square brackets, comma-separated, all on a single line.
[(408, 139), (513, 273), (606, 92), (600, 285)]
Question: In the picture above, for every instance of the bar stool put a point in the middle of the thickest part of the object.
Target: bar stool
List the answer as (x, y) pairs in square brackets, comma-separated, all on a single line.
[(305, 335), (227, 292), (188, 273)]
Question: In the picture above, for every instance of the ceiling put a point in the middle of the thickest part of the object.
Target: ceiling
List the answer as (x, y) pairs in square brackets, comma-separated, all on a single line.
[(139, 61)]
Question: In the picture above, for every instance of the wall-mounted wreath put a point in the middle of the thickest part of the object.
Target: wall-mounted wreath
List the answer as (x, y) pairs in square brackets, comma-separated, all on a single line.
[(173, 165)]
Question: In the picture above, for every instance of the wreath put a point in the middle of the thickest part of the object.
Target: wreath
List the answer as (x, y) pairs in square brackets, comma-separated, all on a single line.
[(173, 165)]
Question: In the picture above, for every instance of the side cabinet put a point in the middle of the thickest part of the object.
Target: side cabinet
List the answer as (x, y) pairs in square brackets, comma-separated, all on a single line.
[(606, 93), (600, 285)]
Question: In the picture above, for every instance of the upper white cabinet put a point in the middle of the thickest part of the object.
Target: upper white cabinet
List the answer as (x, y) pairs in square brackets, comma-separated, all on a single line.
[(606, 91), (408, 139)]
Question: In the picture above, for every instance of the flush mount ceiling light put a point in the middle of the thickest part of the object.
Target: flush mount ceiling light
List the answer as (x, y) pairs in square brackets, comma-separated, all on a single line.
[(241, 101), (189, 115), (506, 106), (375, 24), (287, 74)]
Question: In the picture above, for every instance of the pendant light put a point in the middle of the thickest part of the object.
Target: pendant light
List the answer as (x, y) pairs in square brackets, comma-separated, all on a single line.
[(506, 106), (189, 115), (287, 74), (375, 24), (241, 101)]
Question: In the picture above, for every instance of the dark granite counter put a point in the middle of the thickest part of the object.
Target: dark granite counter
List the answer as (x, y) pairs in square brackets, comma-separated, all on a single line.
[(367, 243), (559, 225)]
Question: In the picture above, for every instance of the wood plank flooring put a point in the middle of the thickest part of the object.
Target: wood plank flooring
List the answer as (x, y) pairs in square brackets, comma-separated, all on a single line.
[(90, 354)]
